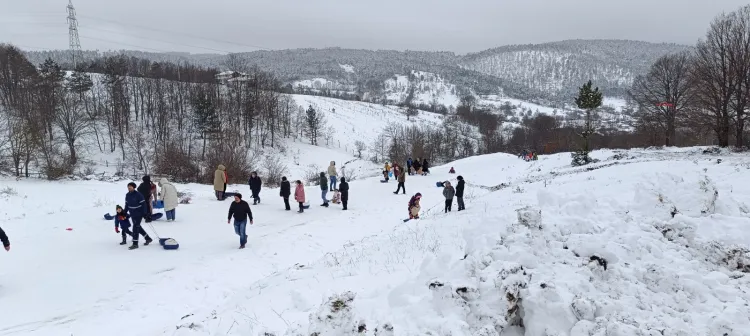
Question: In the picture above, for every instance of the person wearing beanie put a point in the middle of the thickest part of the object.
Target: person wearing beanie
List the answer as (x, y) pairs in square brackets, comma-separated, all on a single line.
[(344, 189), (122, 221), (145, 189), (285, 192), (460, 193), (414, 206), (136, 207), (241, 212)]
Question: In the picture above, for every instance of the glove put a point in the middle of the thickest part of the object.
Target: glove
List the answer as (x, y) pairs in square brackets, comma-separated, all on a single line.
[(117, 230)]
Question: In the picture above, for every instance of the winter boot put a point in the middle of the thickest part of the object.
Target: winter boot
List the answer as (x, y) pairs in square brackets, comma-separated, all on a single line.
[(134, 246), (242, 246), (148, 241), (123, 242)]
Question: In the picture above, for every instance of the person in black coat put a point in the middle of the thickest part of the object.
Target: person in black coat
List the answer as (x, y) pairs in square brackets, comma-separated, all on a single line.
[(145, 189), (255, 184), (285, 192), (242, 214), (344, 189), (5, 240), (425, 167), (460, 193), (136, 206)]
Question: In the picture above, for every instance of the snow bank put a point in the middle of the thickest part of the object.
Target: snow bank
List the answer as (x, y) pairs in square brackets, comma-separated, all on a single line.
[(645, 242)]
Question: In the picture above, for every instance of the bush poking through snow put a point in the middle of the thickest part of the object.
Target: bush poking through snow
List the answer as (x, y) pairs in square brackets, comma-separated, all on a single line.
[(335, 317), (530, 217), (312, 174), (8, 191)]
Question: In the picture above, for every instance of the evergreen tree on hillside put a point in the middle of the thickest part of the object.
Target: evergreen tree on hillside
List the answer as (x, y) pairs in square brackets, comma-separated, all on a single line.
[(588, 99), (205, 117), (314, 123)]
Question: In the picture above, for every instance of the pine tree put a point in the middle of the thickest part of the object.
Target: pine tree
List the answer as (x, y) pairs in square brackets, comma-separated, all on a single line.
[(314, 124), (588, 99), (205, 117)]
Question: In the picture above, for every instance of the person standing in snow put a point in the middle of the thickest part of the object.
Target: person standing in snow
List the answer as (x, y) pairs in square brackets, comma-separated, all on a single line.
[(220, 182), (417, 166), (408, 166), (425, 167), (401, 180), (122, 222), (135, 205), (146, 191), (285, 191), (242, 214), (460, 193), (5, 240), (169, 197), (449, 193), (414, 206), (344, 189), (299, 195), (255, 184), (333, 175), (324, 189), (386, 169)]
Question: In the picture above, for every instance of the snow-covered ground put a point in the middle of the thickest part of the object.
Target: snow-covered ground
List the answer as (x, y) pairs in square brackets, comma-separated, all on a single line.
[(527, 257)]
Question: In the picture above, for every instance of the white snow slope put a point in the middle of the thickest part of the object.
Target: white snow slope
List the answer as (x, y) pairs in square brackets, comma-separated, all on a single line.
[(489, 270)]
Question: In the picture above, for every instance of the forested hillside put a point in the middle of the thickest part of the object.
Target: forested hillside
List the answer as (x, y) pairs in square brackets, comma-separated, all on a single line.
[(545, 73)]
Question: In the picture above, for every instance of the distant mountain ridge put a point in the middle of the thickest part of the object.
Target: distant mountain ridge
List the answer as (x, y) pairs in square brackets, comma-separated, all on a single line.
[(547, 73)]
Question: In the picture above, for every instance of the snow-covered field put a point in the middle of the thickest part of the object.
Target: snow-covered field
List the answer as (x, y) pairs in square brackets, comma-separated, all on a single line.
[(645, 242)]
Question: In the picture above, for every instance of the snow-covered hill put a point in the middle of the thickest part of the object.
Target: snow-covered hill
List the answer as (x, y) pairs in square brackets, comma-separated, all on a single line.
[(549, 71), (559, 68), (645, 242)]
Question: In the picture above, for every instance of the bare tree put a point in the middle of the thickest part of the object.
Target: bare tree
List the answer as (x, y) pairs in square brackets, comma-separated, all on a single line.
[(664, 93), (73, 121), (713, 79)]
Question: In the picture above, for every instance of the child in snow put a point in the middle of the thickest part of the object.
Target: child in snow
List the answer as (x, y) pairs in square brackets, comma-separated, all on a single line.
[(122, 221), (336, 197), (449, 193), (386, 170), (299, 196), (414, 206), (452, 171)]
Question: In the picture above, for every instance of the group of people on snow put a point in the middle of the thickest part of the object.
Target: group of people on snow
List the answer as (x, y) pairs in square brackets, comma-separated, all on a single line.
[(528, 155), (449, 193), (139, 207)]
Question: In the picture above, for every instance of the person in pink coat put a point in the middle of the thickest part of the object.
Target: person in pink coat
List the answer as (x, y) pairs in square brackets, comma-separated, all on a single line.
[(299, 196)]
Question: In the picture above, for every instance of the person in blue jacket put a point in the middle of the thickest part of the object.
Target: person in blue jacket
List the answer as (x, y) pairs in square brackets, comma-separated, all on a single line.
[(136, 207), (122, 221), (408, 166)]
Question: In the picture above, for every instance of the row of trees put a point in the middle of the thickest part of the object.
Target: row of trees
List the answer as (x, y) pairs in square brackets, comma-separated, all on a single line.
[(158, 117), (703, 91)]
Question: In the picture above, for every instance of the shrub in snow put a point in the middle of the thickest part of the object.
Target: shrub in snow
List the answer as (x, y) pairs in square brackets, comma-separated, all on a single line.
[(736, 258), (530, 217), (335, 317)]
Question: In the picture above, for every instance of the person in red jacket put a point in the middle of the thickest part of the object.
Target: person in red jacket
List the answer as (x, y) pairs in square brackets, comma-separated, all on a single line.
[(299, 196), (4, 239)]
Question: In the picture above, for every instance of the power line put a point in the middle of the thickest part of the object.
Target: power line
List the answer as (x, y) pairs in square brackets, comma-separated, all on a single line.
[(125, 44), (155, 40), (177, 33)]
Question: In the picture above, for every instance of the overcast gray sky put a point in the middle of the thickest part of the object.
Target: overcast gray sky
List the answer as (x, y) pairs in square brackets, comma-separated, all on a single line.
[(453, 25)]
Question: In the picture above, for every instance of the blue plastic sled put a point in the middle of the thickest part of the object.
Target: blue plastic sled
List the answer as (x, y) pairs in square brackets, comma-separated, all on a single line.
[(439, 184), (156, 216), (159, 204), (383, 181), (107, 216), (390, 174), (169, 243)]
